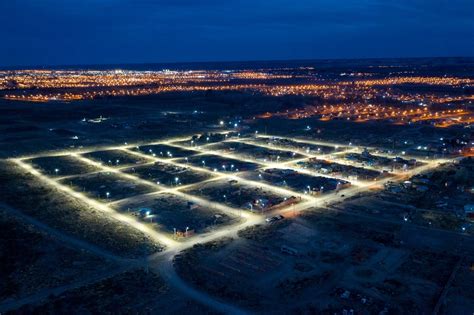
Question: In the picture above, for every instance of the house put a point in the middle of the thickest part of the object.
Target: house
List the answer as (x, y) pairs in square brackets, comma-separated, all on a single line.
[(288, 250), (422, 188), (469, 208), (469, 211), (326, 170), (192, 205), (407, 184), (366, 153), (421, 180)]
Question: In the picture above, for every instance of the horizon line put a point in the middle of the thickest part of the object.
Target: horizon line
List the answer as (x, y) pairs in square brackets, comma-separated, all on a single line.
[(91, 65)]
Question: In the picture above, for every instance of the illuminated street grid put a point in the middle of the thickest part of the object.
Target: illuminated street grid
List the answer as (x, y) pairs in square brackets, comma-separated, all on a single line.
[(303, 199)]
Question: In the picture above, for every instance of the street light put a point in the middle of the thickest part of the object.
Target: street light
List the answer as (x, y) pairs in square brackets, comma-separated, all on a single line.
[(56, 170), (187, 228), (107, 194)]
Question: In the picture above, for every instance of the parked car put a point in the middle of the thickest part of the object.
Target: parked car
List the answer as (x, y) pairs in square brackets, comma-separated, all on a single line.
[(275, 218)]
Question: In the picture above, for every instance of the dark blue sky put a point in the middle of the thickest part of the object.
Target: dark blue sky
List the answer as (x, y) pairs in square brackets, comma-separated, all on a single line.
[(55, 32)]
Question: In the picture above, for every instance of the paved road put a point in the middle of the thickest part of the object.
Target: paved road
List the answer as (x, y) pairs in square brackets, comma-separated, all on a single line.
[(163, 262)]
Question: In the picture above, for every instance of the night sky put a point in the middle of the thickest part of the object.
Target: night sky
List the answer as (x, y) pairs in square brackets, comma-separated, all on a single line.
[(66, 32)]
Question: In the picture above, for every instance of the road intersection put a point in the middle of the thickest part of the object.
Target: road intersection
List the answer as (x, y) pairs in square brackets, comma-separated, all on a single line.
[(162, 261)]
